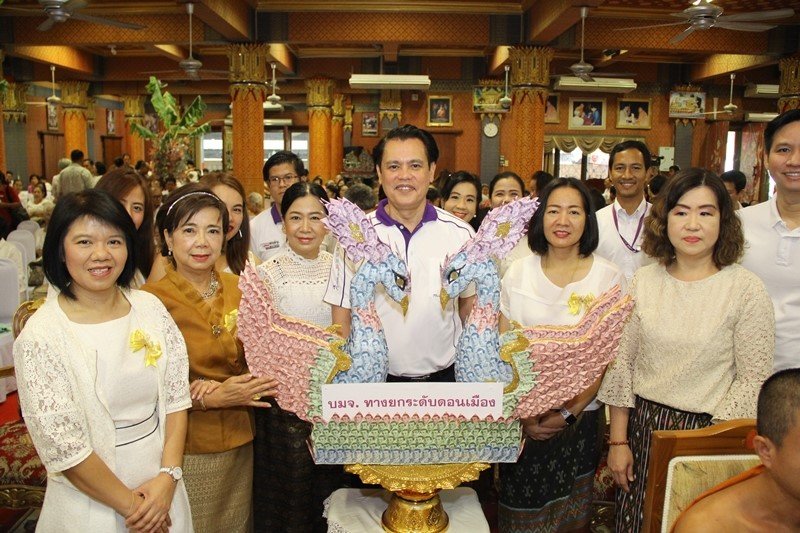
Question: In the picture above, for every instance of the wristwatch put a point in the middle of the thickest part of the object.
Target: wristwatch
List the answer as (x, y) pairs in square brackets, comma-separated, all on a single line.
[(175, 472), (569, 418)]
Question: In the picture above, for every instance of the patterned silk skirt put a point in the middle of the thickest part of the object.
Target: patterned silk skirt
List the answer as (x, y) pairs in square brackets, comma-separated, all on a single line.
[(549, 488), (289, 488), (220, 487), (645, 418)]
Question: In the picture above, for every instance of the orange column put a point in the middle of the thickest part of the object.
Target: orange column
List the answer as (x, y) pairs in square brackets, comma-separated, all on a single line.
[(337, 136), (6, 90), (133, 107), (789, 88), (248, 72), (530, 76), (320, 101), (75, 101)]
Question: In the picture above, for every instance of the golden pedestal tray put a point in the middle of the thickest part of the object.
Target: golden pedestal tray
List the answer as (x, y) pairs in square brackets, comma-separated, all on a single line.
[(415, 506)]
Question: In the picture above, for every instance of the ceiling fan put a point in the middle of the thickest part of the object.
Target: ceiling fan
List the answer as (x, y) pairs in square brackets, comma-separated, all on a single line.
[(52, 99), (191, 66), (704, 14), (63, 10), (583, 69), (273, 102), (728, 109)]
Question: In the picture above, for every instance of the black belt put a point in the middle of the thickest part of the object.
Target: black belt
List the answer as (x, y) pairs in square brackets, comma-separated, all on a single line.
[(446, 375)]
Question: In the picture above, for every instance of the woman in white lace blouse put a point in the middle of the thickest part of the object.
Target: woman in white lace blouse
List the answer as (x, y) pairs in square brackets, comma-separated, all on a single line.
[(289, 488), (103, 381), (700, 340)]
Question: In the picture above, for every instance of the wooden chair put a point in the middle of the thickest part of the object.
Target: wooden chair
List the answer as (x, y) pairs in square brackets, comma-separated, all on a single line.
[(23, 478), (684, 464)]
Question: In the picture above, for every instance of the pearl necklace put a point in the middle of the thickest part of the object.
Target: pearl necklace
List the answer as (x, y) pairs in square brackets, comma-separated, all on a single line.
[(212, 287)]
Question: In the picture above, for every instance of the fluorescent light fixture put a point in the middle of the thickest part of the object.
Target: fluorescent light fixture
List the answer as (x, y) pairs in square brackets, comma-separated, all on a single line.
[(602, 85), (389, 81), (759, 117), (761, 90), (278, 122)]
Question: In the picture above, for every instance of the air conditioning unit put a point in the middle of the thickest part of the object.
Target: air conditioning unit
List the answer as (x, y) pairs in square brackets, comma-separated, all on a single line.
[(759, 117), (761, 90), (599, 85), (390, 81), (278, 122)]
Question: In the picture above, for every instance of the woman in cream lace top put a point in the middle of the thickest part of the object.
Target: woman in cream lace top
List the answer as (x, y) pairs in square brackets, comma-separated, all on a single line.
[(700, 340), (289, 488)]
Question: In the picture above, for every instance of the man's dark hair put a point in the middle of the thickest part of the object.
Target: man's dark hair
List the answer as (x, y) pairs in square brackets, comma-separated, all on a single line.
[(778, 405), (433, 194), (537, 241), (118, 161), (139, 164), (281, 157), (784, 119), (95, 204), (76, 156), (404, 133), (100, 168), (675, 168), (627, 145), (736, 177), (657, 183), (361, 195), (541, 178)]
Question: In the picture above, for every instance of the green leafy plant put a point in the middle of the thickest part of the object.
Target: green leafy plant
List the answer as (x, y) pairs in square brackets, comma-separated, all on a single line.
[(175, 129)]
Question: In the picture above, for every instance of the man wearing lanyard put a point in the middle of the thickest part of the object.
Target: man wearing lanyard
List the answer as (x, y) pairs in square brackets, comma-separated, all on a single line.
[(621, 224), (772, 232), (421, 342)]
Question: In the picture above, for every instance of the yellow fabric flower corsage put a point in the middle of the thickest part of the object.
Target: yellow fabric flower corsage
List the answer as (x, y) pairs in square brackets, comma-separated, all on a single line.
[(577, 302), (139, 340), (230, 320)]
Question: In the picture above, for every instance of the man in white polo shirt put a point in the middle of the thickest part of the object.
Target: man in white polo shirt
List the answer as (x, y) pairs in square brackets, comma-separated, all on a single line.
[(282, 170), (421, 343), (772, 232), (621, 224)]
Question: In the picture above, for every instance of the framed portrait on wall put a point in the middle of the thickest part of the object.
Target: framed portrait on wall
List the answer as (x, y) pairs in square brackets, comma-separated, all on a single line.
[(440, 111), (551, 109), (487, 100), (369, 124), (52, 116), (587, 114), (683, 104), (633, 113)]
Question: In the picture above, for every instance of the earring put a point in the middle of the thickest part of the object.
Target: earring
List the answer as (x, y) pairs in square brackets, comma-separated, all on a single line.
[(169, 252), (240, 233)]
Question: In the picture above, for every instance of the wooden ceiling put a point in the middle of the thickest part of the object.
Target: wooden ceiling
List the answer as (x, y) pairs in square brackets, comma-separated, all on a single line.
[(451, 40)]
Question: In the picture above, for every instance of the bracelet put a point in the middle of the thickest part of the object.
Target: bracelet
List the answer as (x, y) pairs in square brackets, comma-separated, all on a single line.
[(618, 442)]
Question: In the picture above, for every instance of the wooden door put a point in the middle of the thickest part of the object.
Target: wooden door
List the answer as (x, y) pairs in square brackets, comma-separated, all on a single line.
[(52, 146), (446, 141), (112, 148)]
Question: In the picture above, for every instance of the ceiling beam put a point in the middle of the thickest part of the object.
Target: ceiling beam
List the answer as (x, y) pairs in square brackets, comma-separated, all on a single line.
[(171, 51), (390, 52), (484, 7), (230, 18), (60, 56), (284, 57), (547, 19), (719, 64)]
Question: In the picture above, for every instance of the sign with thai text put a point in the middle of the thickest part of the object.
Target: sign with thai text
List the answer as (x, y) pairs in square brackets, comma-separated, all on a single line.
[(416, 398)]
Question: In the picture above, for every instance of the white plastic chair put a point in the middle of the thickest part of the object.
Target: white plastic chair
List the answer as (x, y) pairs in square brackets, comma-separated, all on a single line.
[(28, 240), (29, 225), (9, 290), (23, 251)]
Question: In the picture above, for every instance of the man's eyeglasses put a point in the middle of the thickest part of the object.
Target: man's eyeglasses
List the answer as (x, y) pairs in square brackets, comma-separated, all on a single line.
[(288, 178)]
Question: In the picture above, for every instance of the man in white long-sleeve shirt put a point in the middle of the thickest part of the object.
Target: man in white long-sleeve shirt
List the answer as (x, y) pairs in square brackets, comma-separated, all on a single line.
[(621, 224)]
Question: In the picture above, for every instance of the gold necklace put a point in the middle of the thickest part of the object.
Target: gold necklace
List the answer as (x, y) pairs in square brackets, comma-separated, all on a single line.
[(212, 287)]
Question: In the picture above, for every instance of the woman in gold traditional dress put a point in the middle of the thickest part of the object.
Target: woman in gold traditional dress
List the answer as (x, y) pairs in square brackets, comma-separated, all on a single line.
[(218, 462)]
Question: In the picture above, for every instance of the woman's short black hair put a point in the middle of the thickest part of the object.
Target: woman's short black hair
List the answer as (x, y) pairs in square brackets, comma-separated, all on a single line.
[(300, 189), (182, 204), (91, 203), (461, 176), (504, 175), (590, 238)]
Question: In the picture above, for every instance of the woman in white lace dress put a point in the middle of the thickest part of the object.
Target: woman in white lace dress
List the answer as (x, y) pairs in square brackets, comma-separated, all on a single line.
[(289, 488), (103, 381), (700, 340)]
